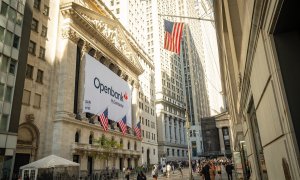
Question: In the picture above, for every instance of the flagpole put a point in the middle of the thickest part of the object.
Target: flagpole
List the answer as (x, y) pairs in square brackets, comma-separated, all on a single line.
[(197, 18)]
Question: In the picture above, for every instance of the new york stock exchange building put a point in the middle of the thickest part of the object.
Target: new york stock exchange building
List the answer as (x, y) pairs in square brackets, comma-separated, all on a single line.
[(93, 65)]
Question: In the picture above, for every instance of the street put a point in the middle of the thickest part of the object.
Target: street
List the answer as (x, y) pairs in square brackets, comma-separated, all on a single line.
[(177, 175)]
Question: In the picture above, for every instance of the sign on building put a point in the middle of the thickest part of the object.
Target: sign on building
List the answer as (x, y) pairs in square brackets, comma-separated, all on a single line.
[(104, 89)]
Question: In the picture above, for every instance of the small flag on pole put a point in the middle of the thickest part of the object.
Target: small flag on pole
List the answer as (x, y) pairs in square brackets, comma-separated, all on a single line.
[(173, 35), (137, 130), (122, 125), (103, 118)]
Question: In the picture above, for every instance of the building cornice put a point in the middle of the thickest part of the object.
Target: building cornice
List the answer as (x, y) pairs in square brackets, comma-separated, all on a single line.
[(101, 32)]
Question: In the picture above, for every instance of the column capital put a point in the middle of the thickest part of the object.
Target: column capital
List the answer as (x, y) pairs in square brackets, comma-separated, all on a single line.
[(68, 33)]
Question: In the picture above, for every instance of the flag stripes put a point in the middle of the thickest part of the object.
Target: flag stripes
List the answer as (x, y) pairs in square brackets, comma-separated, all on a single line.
[(103, 118), (137, 130), (173, 35), (122, 125)]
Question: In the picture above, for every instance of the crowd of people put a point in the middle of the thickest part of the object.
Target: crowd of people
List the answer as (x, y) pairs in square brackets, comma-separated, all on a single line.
[(209, 169)]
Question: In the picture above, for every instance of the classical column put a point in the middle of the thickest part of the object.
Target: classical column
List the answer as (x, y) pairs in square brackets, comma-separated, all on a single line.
[(222, 145), (177, 131), (135, 102), (184, 133), (172, 129), (85, 49), (167, 127)]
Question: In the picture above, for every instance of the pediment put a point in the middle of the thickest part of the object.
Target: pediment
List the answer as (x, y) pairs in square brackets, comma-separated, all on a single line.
[(109, 28)]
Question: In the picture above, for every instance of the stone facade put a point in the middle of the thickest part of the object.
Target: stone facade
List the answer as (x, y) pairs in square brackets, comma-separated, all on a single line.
[(56, 125), (257, 56)]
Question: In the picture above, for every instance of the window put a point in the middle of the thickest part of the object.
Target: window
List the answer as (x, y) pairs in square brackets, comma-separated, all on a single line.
[(118, 10), (112, 2), (4, 64), (182, 153), (168, 152), (12, 66), (34, 25), (8, 38), (76, 158), (37, 4), (153, 151), (37, 100), (29, 71), (8, 93), (178, 152), (128, 145), (46, 10), (44, 31), (173, 152), (42, 53), (16, 41), (1, 91), (3, 122), (1, 33), (12, 14), (77, 136), (39, 76), (26, 97), (19, 19), (31, 47), (4, 8), (91, 137)]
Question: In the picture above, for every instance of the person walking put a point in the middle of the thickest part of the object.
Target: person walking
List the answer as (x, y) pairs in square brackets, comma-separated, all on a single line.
[(168, 170), (127, 173), (205, 171), (155, 172), (229, 168), (141, 176)]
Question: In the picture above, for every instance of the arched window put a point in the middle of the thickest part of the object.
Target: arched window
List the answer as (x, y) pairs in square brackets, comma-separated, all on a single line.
[(128, 145), (135, 146), (77, 136), (91, 137)]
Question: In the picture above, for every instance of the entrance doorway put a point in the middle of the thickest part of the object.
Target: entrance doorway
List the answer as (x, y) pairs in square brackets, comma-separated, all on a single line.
[(22, 159), (121, 164)]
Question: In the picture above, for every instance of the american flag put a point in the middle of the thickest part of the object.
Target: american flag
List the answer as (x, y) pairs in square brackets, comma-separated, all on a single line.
[(122, 125), (137, 130), (103, 118), (173, 35)]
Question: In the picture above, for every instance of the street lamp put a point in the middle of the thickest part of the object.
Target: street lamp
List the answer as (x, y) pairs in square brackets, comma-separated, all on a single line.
[(187, 126)]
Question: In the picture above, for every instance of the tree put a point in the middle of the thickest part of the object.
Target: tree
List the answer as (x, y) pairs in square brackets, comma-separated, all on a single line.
[(108, 147)]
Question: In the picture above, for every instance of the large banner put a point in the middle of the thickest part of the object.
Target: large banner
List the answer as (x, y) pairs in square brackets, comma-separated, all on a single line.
[(104, 89)]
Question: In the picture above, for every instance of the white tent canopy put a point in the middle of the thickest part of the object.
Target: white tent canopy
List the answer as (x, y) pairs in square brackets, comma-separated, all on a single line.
[(48, 162)]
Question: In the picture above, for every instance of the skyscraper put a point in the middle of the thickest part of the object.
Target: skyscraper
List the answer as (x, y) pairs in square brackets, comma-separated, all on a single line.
[(14, 32)]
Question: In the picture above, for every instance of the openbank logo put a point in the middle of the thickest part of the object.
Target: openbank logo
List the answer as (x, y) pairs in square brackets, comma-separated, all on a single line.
[(109, 90)]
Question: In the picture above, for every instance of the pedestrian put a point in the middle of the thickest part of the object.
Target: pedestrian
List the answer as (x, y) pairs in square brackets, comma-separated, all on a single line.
[(127, 173), (141, 176), (180, 170), (212, 172), (219, 170), (168, 170), (155, 172), (205, 171), (229, 169)]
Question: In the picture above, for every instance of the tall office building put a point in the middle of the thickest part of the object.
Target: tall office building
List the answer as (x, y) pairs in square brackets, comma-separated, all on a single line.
[(52, 119), (13, 36), (137, 19), (195, 77)]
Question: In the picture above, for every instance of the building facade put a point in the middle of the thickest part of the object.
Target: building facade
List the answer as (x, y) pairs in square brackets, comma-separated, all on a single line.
[(52, 119), (131, 14), (257, 46), (14, 35)]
